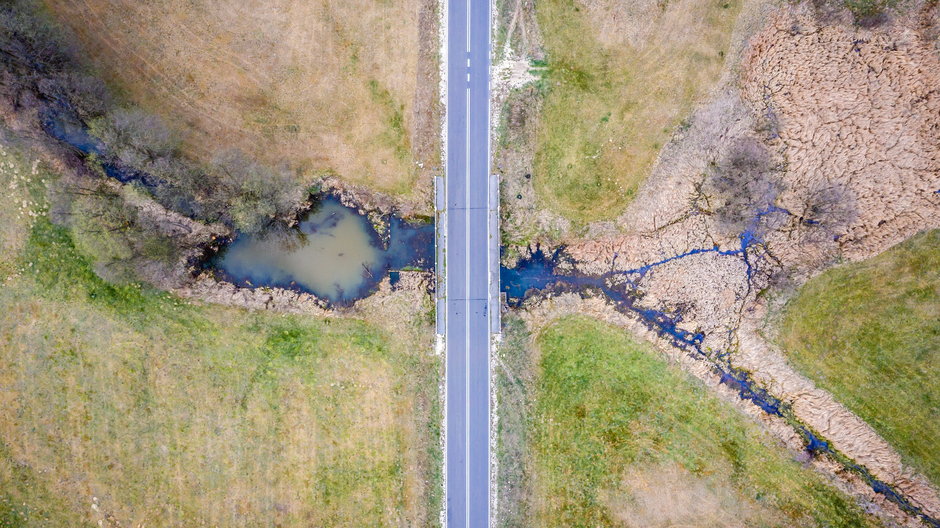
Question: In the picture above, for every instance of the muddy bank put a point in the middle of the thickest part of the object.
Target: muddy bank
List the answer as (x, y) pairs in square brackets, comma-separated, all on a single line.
[(142, 210), (330, 251), (858, 109), (767, 385), (69, 145), (836, 123), (194, 241), (540, 312), (404, 263), (414, 285)]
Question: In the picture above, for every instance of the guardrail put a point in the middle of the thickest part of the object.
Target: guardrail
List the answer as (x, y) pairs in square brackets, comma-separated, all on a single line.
[(493, 245), (440, 253)]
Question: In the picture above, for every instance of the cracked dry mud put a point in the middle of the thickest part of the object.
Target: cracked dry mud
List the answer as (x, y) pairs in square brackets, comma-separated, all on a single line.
[(839, 107), (859, 108)]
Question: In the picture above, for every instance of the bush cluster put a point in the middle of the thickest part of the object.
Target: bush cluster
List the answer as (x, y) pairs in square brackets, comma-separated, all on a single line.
[(111, 231), (232, 188), (743, 188), (42, 75), (742, 184)]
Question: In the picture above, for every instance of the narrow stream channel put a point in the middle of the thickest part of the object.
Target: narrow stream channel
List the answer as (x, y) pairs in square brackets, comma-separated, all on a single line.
[(538, 273), (334, 253)]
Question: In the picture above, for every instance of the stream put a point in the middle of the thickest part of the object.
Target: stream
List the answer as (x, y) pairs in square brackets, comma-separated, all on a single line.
[(538, 273), (335, 253)]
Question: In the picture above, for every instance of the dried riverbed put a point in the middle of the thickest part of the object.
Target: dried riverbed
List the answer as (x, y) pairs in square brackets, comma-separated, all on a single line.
[(677, 268)]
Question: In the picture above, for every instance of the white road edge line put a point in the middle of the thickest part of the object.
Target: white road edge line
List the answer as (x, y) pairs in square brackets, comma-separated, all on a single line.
[(467, 352), (490, 313), (443, 35)]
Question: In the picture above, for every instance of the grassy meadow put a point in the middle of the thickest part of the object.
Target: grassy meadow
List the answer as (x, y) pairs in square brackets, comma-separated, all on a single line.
[(621, 438), (869, 333), (618, 79), (513, 378), (343, 87), (130, 407)]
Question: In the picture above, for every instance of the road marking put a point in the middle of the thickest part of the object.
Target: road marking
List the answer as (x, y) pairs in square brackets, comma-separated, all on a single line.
[(467, 371), (460, 200)]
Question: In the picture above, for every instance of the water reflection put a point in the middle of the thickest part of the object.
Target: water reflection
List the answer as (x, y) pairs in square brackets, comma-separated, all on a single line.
[(333, 253)]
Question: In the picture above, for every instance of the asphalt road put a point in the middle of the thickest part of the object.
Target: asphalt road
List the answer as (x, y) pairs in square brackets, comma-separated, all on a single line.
[(467, 251)]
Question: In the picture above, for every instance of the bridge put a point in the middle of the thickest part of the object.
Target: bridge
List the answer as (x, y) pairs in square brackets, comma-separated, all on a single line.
[(468, 264)]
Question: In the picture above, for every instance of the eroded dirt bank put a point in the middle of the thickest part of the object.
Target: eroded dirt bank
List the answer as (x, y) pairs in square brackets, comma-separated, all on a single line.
[(821, 145), (138, 206), (192, 238)]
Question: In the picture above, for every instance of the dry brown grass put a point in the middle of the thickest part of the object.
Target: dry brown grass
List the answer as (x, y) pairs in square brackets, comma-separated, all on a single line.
[(858, 110), (325, 86), (668, 495), (98, 408)]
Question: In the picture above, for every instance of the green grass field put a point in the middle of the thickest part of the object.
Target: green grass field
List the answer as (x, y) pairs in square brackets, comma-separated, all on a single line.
[(125, 404), (619, 79), (869, 333), (513, 379), (623, 439)]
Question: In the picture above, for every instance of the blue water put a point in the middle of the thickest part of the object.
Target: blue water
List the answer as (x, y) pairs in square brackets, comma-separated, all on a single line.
[(70, 130), (336, 262), (538, 273), (63, 125), (533, 273)]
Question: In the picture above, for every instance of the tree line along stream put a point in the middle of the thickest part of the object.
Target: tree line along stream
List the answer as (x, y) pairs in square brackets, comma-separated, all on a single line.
[(335, 253)]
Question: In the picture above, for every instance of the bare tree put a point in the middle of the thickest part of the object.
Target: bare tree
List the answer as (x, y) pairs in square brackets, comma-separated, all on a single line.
[(829, 209), (743, 185)]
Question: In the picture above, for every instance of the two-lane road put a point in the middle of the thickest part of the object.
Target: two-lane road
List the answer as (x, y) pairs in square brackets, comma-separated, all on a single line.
[(468, 251)]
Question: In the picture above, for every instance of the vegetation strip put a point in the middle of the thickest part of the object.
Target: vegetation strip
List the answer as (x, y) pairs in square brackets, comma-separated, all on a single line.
[(118, 391), (621, 436), (616, 81), (869, 333), (537, 271)]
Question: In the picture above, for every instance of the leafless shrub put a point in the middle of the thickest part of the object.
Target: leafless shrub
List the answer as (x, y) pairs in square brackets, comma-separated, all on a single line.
[(109, 230), (249, 194), (29, 39), (36, 66), (135, 137), (742, 184), (828, 210)]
